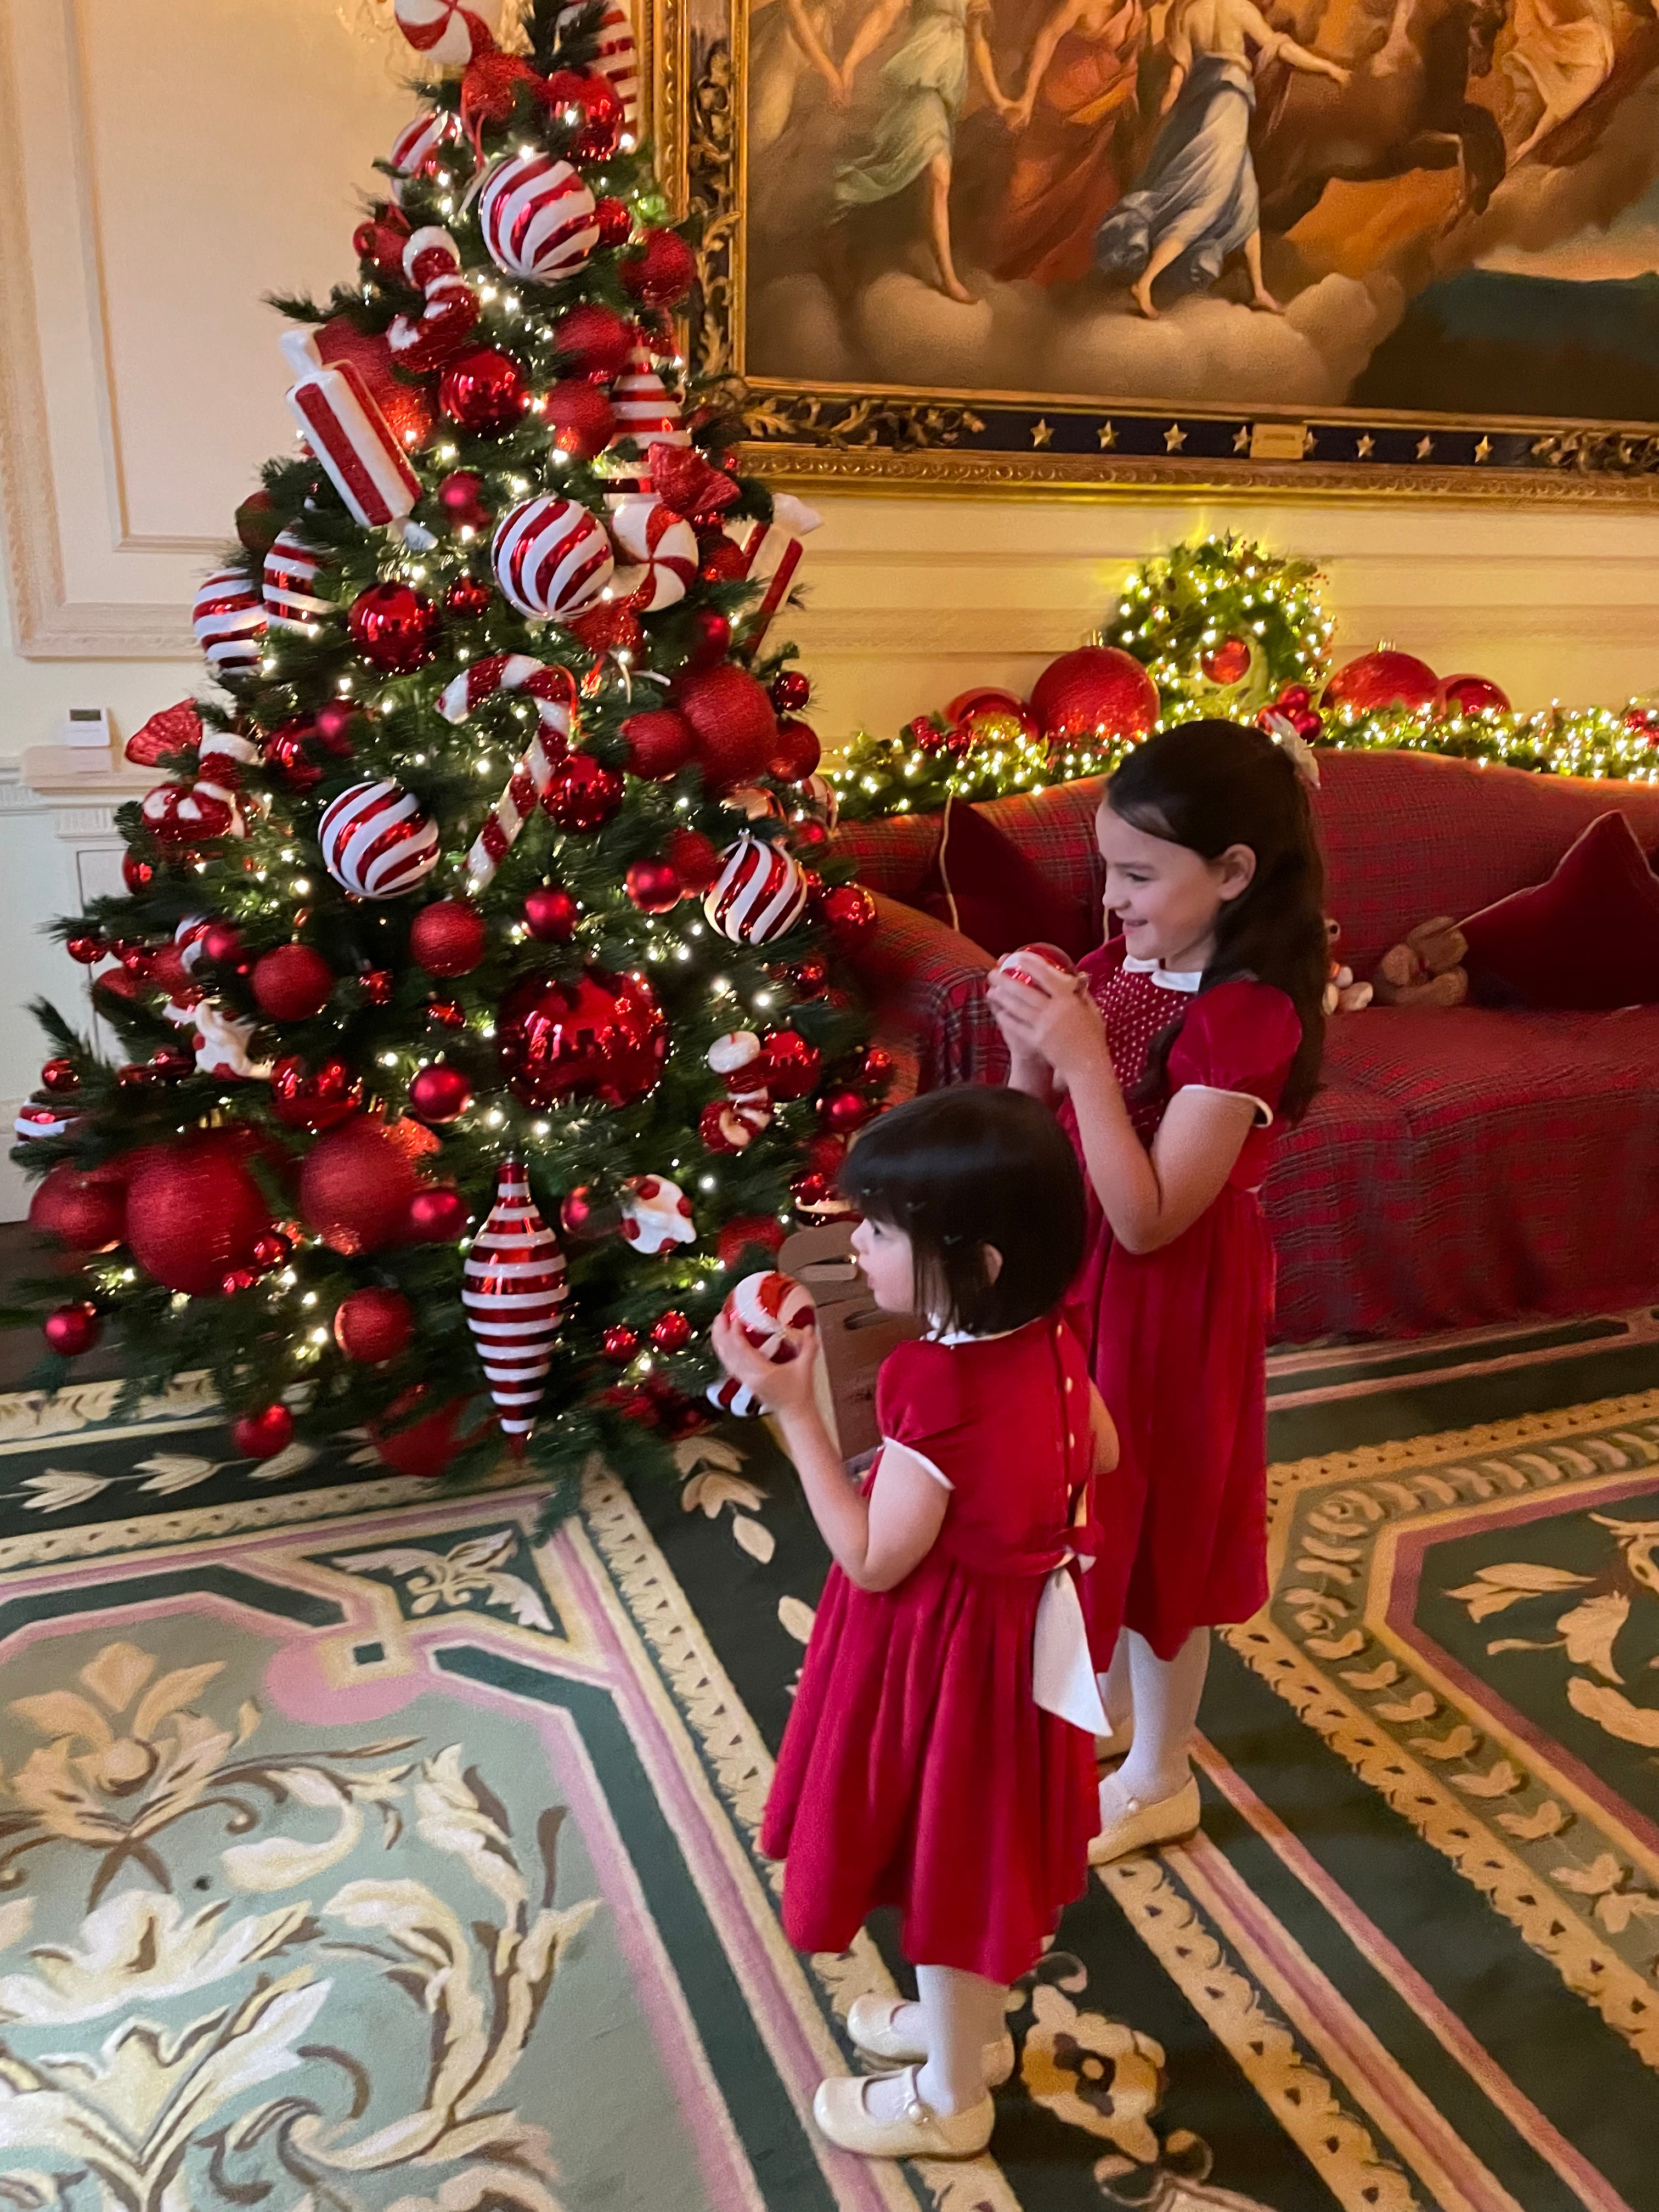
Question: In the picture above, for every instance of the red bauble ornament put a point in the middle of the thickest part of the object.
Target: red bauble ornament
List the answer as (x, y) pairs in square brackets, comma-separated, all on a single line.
[(425, 1447), (72, 1329), (354, 1188), (808, 836), (611, 627), (467, 599), (482, 390), (809, 975), (654, 886), (592, 341), (194, 1212), (790, 690), (292, 984), (1382, 679), (849, 914), (222, 944), (437, 1217), (138, 875), (264, 1434), (1228, 663), (616, 221), (371, 1325), (732, 722), (583, 794), (271, 1250), (58, 1076), (405, 405), (662, 272), (380, 240), (257, 523), (1095, 693), (318, 1101), (694, 859), (602, 1035), (460, 495), (286, 752), (550, 915), (743, 1233), (1469, 695), (798, 751), (671, 1332), (579, 417), (131, 1075), (711, 641), (392, 627), (660, 744), (85, 1211), (598, 139), (87, 950), (438, 1093), (448, 938), (1642, 722), (340, 727), (843, 1111), (877, 1067), (377, 985), (789, 1067), (449, 1013), (620, 1344)]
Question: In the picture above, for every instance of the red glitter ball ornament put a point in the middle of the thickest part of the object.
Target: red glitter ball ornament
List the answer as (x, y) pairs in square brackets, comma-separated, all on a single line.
[(437, 1217), (662, 272), (460, 496), (603, 1036), (719, 560), (614, 220), (611, 627), (482, 390), (592, 341), (392, 627), (1382, 679), (448, 938), (354, 1188), (550, 915), (374, 1324), (1228, 663), (194, 1212), (660, 744), (732, 722), (711, 641), (138, 875), (467, 599), (292, 983), (438, 1093), (583, 794), (747, 1232), (620, 1344), (693, 857), (849, 914), (654, 886), (671, 1332), (1098, 692), (789, 1066), (579, 417), (790, 690), (318, 1100), (264, 1434), (72, 1329), (85, 1211)]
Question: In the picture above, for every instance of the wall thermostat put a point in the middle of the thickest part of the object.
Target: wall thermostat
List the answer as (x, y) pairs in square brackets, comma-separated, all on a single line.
[(87, 728)]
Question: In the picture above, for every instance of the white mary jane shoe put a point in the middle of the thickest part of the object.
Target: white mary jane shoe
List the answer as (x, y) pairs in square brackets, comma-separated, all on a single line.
[(870, 2022), (841, 2107), (1127, 1824)]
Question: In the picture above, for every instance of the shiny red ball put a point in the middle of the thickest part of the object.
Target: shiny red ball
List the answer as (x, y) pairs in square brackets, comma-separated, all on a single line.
[(662, 272), (809, 975), (72, 1329), (711, 641), (448, 938), (1469, 695), (877, 1067), (654, 886), (59, 1077), (660, 744), (797, 751), (374, 1324), (438, 1093), (598, 139), (378, 985), (671, 1332), (1227, 663), (467, 599), (592, 341), (603, 1036), (1382, 679), (271, 1249), (693, 857), (292, 983), (138, 875), (550, 915), (1098, 692), (131, 1075), (448, 1013), (843, 1111), (584, 793), (579, 417), (790, 1067), (437, 1217), (264, 1434), (482, 390), (392, 626), (424, 1448), (286, 752), (87, 950), (239, 1279), (790, 691), (319, 1100), (614, 220), (809, 835), (849, 914), (620, 1344)]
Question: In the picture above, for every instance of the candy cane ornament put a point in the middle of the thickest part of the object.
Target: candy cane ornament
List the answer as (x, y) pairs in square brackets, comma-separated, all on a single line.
[(771, 553), (554, 695)]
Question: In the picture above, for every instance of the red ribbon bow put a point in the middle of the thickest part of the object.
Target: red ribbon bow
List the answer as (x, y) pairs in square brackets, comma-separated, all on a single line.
[(682, 479)]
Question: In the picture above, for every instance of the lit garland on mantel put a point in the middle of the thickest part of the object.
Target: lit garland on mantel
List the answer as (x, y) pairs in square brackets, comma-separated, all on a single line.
[(1180, 608)]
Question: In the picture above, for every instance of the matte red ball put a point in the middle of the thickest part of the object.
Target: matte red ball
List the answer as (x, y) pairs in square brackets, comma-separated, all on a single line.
[(790, 1067), (550, 915), (459, 497), (790, 690), (849, 914), (467, 599), (292, 983), (138, 875), (374, 1324), (579, 417), (72, 1329), (264, 1434), (671, 1332), (440, 1093), (693, 857), (616, 220), (662, 272), (1098, 692), (584, 793), (620, 1344), (660, 744), (603, 1036), (732, 722), (482, 390), (356, 1185), (798, 751), (1382, 679), (448, 938), (654, 886), (392, 627), (722, 560), (84, 1212), (438, 1216), (843, 1111), (59, 1077), (194, 1212), (425, 1447), (592, 341), (747, 1232)]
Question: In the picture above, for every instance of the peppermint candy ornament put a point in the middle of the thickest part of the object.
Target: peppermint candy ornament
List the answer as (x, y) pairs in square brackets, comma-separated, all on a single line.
[(537, 217), (729, 1125), (663, 547), (551, 557), (616, 57), (444, 31), (376, 842), (655, 1214), (291, 569), (229, 617), (513, 1291), (759, 893), (774, 1313), (424, 145)]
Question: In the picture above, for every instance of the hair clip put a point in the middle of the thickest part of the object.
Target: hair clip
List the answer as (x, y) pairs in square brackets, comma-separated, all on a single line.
[(1290, 741)]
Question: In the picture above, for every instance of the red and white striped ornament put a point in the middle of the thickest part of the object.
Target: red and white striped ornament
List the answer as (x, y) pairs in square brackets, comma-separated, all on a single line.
[(537, 217), (40, 1118), (432, 262), (376, 841), (730, 1396), (342, 424), (771, 554), (431, 141), (291, 569), (444, 31), (730, 1125), (515, 1290), (552, 557), (212, 806), (616, 57), (759, 893), (229, 617), (775, 1314), (661, 545), (647, 412), (554, 695), (655, 1214)]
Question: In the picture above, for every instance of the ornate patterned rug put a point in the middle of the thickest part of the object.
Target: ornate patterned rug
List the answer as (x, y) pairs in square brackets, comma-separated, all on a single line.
[(357, 1850)]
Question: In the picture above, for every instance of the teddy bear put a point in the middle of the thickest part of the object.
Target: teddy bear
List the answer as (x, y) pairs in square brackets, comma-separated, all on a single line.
[(1342, 994), (1427, 969)]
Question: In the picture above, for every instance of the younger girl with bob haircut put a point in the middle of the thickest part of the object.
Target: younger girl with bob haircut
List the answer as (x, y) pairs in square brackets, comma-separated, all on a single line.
[(1172, 1058), (939, 1756)]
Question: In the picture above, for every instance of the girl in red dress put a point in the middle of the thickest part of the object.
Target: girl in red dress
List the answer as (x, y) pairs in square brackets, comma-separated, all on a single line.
[(1172, 1058), (939, 1757)]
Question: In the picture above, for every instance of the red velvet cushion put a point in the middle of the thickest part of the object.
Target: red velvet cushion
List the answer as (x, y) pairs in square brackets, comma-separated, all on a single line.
[(984, 886), (1589, 938)]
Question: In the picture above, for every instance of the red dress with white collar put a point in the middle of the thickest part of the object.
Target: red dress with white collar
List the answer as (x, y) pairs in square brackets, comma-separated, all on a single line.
[(1179, 1336)]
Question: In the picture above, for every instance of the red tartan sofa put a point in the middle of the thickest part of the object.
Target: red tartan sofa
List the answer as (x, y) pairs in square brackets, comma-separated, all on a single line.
[(1457, 1168)]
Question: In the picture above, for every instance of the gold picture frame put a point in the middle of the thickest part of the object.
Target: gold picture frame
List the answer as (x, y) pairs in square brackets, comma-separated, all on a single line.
[(904, 437)]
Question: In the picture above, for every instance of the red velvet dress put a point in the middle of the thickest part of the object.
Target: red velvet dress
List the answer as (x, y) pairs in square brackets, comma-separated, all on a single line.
[(1180, 1336), (916, 1769)]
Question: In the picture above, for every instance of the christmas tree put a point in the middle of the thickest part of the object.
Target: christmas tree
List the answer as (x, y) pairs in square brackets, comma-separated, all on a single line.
[(476, 981)]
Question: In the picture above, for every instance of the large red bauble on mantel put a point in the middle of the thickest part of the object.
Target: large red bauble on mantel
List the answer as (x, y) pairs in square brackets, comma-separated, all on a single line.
[(603, 1036), (1469, 695), (1098, 693), (195, 1212), (1382, 679), (355, 1186), (733, 721)]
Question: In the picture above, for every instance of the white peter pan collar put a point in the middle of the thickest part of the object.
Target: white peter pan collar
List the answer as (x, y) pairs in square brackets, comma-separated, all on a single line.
[(1167, 979)]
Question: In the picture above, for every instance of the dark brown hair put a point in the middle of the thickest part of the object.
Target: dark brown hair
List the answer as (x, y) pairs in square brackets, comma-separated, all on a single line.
[(958, 1169), (1210, 784)]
